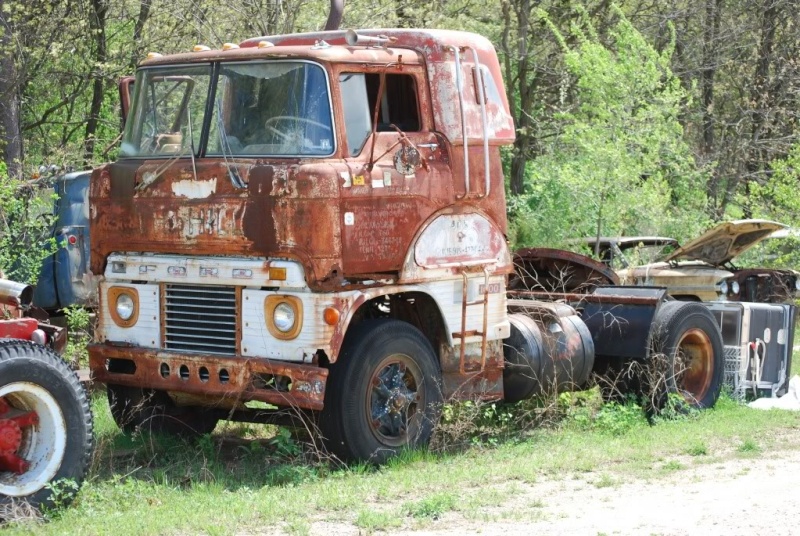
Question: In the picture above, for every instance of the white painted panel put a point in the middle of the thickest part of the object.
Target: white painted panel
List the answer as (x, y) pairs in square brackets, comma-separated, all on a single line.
[(147, 331), (448, 295), (257, 340), (235, 271)]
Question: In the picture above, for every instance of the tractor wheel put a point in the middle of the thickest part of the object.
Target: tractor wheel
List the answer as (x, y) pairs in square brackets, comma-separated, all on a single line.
[(45, 426)]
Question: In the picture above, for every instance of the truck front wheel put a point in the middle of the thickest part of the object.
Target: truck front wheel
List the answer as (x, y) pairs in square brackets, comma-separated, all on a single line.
[(383, 394), (45, 425), (135, 409), (687, 339)]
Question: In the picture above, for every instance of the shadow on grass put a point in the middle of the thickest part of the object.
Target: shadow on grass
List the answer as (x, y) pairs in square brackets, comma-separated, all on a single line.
[(224, 458)]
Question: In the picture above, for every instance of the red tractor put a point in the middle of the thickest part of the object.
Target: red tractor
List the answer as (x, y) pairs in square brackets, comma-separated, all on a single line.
[(45, 418)]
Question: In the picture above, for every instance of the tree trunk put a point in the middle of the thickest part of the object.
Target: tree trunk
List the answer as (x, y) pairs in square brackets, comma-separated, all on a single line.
[(757, 161), (138, 28), (708, 72), (97, 23), (523, 75), (10, 135)]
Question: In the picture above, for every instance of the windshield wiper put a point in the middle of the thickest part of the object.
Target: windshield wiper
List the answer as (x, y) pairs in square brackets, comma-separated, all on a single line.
[(150, 178)]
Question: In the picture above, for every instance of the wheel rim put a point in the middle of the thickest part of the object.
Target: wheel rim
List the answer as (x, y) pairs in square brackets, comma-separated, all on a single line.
[(33, 438), (394, 400), (696, 362)]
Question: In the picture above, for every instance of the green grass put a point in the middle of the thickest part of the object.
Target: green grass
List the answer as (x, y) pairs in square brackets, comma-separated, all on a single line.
[(749, 447), (697, 449), (235, 481)]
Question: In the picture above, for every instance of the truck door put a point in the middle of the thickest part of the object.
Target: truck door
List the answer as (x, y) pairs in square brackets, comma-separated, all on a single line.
[(398, 167)]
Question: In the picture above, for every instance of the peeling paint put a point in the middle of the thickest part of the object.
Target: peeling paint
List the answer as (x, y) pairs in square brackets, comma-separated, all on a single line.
[(194, 189)]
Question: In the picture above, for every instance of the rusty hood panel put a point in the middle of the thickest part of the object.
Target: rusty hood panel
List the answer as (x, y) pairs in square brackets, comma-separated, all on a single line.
[(285, 210)]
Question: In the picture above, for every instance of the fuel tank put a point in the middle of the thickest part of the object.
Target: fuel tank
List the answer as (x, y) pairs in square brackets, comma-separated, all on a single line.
[(550, 350)]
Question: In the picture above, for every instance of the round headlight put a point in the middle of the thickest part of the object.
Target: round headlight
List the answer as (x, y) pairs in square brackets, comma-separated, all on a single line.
[(723, 288), (735, 287), (283, 317), (125, 306)]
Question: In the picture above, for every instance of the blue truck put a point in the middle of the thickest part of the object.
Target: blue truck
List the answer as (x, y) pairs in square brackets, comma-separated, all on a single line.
[(65, 278)]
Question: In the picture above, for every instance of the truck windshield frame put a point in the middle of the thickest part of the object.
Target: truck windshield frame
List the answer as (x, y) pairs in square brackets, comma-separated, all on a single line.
[(278, 108), (167, 115), (244, 109)]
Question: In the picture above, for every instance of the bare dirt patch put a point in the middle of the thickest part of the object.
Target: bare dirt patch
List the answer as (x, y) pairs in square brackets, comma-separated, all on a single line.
[(753, 493)]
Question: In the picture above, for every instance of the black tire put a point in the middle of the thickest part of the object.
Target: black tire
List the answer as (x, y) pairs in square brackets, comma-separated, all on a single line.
[(383, 394), (687, 354), (34, 379), (145, 410)]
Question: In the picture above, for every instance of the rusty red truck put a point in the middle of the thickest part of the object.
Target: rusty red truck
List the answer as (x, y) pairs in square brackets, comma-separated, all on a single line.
[(318, 221)]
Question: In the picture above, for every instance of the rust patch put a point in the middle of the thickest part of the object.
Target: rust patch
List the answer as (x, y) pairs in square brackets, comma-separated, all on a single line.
[(257, 215), (231, 378)]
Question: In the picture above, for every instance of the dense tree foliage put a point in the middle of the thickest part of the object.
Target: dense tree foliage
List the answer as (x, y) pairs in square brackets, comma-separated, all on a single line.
[(617, 162), (635, 117)]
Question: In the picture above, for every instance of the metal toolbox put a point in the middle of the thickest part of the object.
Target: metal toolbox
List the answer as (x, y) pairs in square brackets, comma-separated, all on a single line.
[(758, 339)]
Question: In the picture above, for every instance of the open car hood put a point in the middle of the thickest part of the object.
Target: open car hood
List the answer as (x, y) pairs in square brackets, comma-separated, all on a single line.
[(725, 241)]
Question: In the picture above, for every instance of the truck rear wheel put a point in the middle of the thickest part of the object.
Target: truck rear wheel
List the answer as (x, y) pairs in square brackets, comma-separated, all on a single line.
[(688, 340), (45, 424), (383, 394)]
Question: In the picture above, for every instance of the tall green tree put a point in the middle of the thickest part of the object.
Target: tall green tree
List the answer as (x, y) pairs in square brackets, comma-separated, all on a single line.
[(618, 163)]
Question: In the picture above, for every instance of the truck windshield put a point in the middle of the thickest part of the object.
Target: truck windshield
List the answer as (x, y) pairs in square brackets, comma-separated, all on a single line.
[(168, 111), (279, 108), (265, 108)]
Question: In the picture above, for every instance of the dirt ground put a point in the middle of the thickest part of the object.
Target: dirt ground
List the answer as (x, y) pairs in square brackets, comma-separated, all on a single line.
[(739, 496)]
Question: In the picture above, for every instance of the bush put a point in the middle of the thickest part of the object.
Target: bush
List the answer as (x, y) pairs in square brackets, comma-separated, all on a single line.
[(26, 219)]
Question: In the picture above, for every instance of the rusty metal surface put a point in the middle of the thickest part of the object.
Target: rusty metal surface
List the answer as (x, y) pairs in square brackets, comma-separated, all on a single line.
[(337, 54), (764, 285), (555, 270), (483, 380), (290, 209), (349, 220), (345, 218), (287, 210), (246, 377), (56, 337), (575, 298), (437, 47)]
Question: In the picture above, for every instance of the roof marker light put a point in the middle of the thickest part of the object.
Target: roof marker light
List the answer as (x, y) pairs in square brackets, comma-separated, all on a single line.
[(265, 44), (200, 48), (151, 55), (229, 46)]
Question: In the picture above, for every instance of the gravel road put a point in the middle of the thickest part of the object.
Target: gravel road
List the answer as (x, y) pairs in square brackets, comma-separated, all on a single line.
[(752, 495)]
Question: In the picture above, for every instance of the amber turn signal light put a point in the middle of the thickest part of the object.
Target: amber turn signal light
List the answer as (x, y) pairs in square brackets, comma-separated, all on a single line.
[(331, 316)]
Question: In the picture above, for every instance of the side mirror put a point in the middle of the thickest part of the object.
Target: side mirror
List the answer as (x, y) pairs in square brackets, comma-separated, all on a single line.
[(125, 95)]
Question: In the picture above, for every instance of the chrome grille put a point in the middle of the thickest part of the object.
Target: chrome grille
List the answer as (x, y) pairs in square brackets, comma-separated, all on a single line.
[(201, 319)]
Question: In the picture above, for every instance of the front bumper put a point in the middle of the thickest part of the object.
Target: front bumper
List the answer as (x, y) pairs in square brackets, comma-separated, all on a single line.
[(234, 379)]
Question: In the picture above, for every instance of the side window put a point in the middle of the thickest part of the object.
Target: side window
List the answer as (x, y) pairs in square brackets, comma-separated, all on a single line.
[(357, 120), (398, 106)]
